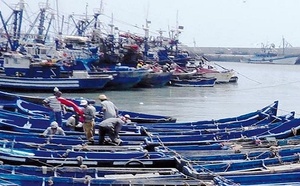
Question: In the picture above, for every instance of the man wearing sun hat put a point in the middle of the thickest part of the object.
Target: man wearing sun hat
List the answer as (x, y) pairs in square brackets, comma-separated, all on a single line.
[(109, 109), (88, 123)]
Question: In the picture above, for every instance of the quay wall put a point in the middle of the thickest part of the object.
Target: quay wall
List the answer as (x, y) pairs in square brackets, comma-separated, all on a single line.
[(235, 54)]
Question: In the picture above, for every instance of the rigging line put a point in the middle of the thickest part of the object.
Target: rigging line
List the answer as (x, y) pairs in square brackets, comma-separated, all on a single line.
[(270, 86), (233, 70), (281, 84), (268, 131), (220, 66), (286, 111), (129, 24), (7, 5), (247, 77)]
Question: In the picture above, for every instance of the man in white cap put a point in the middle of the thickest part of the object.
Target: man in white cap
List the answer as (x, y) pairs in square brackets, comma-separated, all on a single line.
[(54, 104), (54, 129), (88, 123), (127, 118), (109, 109)]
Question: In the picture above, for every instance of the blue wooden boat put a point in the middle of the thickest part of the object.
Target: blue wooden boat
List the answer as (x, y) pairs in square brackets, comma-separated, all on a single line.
[(19, 122), (46, 144), (33, 104), (194, 82), (104, 174), (280, 130), (25, 74), (253, 143), (263, 179), (203, 157), (195, 131), (110, 180), (91, 159), (79, 137), (79, 172), (267, 110), (36, 138), (198, 170), (37, 123), (260, 120)]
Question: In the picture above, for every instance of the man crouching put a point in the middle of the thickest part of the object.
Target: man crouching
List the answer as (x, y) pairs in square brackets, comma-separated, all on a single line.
[(111, 127)]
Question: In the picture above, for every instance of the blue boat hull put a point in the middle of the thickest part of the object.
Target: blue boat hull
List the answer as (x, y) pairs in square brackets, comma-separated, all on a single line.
[(155, 80), (202, 82), (126, 79), (67, 84)]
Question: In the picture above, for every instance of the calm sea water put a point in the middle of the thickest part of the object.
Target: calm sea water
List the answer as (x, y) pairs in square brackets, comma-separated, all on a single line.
[(258, 85)]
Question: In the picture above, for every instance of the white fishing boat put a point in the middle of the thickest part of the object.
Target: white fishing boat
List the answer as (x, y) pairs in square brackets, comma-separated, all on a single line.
[(269, 55)]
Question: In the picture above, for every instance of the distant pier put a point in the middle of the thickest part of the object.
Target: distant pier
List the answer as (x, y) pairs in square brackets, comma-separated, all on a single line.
[(234, 53)]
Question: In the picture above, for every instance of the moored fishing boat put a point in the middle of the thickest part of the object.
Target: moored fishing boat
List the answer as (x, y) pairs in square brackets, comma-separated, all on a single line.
[(20, 73), (155, 79), (265, 111), (224, 76), (91, 159), (199, 170), (112, 179), (239, 154), (193, 82), (34, 103), (104, 174), (277, 130), (125, 77), (11, 137), (270, 55)]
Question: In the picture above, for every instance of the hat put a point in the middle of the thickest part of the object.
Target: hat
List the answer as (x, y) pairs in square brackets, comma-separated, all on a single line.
[(83, 102), (54, 125), (127, 116), (102, 97)]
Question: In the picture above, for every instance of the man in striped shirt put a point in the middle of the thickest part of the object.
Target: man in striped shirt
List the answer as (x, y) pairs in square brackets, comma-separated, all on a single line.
[(54, 104)]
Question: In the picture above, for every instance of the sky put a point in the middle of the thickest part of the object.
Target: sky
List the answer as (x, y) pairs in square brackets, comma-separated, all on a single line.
[(207, 23)]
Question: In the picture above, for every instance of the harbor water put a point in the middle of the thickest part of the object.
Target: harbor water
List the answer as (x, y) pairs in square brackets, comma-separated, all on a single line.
[(258, 85)]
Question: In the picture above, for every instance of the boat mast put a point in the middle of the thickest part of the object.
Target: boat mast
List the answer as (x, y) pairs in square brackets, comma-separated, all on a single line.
[(41, 27), (83, 24), (283, 46), (17, 16), (146, 46), (111, 38), (146, 37)]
